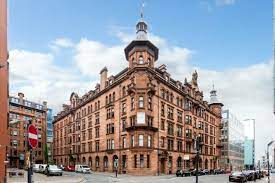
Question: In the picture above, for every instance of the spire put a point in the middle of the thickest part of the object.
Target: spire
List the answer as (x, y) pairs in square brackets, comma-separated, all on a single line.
[(141, 26), (213, 96)]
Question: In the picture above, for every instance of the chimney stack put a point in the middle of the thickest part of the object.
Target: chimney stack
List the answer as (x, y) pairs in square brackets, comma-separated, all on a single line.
[(103, 78)]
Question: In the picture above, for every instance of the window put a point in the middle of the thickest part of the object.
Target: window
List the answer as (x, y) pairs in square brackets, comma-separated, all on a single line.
[(123, 125), (162, 124), (179, 146), (133, 120), (97, 162), (162, 141), (141, 102), (135, 161), (140, 140), (141, 160), (148, 161), (114, 96), (188, 147), (124, 142), (123, 108), (149, 141), (188, 133), (179, 133), (132, 140), (132, 103), (162, 109), (149, 121), (97, 146), (170, 144), (140, 60), (150, 103), (113, 144), (97, 118), (97, 132), (170, 129), (179, 116), (188, 120), (90, 134), (141, 118), (124, 91), (170, 113)]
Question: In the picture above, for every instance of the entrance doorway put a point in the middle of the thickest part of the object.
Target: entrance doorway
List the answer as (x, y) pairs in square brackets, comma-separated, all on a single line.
[(162, 165)]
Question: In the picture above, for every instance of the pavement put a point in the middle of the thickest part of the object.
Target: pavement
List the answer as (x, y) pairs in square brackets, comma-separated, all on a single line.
[(101, 177)]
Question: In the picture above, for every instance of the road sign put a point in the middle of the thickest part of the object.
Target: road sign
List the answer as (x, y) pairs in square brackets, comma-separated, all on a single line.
[(32, 136)]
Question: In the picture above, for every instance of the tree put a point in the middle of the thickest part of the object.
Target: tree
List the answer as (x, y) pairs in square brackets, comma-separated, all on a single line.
[(46, 154)]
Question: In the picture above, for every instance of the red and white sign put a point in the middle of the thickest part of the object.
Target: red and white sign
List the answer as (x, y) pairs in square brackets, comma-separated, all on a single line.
[(32, 136)]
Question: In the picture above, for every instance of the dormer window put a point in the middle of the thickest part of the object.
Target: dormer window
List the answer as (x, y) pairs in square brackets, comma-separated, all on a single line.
[(149, 61), (140, 60)]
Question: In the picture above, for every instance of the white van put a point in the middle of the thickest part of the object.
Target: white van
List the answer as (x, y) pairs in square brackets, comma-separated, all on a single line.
[(42, 168), (82, 169), (35, 168)]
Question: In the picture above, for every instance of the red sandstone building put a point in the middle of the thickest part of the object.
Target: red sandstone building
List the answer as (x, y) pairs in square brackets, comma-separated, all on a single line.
[(141, 119), (21, 112), (3, 89)]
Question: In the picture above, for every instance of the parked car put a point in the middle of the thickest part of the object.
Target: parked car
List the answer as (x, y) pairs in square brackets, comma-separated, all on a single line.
[(193, 172), (272, 170), (35, 168), (42, 168), (82, 169), (219, 171), (205, 172), (69, 168), (187, 173), (250, 175), (53, 170), (179, 173), (237, 177)]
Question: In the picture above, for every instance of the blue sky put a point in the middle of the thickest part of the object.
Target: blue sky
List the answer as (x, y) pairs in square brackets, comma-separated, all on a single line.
[(59, 46), (233, 35)]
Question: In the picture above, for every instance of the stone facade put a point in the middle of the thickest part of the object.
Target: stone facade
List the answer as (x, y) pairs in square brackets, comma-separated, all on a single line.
[(3, 90), (141, 120), (21, 111)]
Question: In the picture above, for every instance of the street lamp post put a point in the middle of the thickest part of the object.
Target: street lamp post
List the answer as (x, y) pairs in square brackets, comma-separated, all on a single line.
[(254, 132), (268, 166)]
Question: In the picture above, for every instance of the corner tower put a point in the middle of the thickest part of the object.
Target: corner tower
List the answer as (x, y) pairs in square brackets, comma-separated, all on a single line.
[(141, 52)]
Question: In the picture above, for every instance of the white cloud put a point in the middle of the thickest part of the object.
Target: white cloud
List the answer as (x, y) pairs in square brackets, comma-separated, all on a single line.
[(36, 75), (63, 42), (59, 43), (245, 91)]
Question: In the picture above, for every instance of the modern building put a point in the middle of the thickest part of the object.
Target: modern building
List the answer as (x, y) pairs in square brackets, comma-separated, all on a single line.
[(49, 134), (140, 121), (232, 157), (248, 153), (21, 112), (3, 90)]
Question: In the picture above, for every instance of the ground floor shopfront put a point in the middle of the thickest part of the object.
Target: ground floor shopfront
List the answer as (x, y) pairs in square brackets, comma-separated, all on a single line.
[(138, 161)]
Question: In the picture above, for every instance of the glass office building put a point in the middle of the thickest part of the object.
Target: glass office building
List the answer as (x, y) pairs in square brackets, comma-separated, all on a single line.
[(248, 153), (49, 133), (233, 142)]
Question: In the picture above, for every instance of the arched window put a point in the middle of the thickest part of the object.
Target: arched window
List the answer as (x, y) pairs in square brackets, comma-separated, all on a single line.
[(140, 60), (106, 99), (97, 162), (149, 61), (105, 161), (124, 91), (114, 96)]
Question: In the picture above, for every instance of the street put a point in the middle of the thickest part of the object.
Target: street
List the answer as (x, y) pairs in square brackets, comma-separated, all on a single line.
[(107, 178), (98, 177)]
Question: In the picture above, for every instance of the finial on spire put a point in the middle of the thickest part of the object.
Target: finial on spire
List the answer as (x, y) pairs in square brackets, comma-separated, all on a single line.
[(141, 11)]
